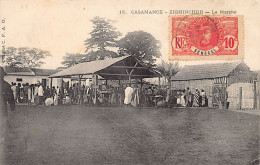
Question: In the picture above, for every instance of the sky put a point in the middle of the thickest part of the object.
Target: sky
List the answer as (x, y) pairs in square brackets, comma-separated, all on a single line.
[(62, 26)]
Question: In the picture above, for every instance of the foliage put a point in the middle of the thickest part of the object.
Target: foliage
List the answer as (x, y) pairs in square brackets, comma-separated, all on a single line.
[(103, 39), (141, 45), (25, 57), (168, 69), (73, 59)]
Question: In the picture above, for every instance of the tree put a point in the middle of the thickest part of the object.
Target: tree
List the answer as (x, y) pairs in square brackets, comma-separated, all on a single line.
[(25, 57), (72, 59), (103, 39), (141, 45), (168, 69)]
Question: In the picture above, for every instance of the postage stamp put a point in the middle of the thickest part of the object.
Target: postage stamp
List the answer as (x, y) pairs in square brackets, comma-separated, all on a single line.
[(206, 37)]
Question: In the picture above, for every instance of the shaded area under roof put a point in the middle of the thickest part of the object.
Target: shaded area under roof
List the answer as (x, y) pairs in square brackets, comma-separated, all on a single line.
[(111, 68), (206, 71)]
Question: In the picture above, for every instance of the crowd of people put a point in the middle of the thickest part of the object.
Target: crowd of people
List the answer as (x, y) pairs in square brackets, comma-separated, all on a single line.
[(126, 94), (185, 98), (33, 93)]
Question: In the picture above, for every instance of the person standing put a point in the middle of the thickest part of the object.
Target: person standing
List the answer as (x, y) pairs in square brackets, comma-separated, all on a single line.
[(182, 100), (29, 93), (135, 96), (47, 92), (188, 97), (203, 98), (32, 89), (70, 92), (58, 94), (14, 91), (168, 96), (5, 97), (18, 93), (40, 94), (25, 90), (128, 94), (196, 98), (36, 98), (90, 95)]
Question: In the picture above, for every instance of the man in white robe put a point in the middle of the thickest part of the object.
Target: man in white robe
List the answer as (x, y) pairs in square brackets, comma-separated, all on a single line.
[(128, 94)]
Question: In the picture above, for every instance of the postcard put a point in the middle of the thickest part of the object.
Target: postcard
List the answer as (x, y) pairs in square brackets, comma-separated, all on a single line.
[(129, 82)]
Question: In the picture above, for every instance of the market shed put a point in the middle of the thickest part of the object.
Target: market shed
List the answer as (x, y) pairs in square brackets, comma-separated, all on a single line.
[(121, 68), (222, 82)]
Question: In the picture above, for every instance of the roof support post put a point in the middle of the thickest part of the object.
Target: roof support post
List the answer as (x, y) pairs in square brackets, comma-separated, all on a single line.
[(62, 90), (80, 93), (133, 68), (95, 81), (50, 86), (129, 79)]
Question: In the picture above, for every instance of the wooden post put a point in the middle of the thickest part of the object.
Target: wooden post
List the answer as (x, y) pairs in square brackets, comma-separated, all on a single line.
[(255, 95), (130, 80), (62, 90), (240, 99), (258, 95), (51, 86), (80, 101), (95, 82)]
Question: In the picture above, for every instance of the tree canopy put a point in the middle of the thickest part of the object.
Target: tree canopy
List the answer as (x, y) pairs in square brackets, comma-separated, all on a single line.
[(141, 45), (168, 69), (102, 41), (71, 59), (25, 57)]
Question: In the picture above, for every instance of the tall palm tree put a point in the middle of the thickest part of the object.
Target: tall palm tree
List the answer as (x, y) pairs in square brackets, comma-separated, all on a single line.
[(168, 69)]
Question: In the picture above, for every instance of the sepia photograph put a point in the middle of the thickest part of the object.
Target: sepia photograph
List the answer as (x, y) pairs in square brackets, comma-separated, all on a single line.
[(120, 82)]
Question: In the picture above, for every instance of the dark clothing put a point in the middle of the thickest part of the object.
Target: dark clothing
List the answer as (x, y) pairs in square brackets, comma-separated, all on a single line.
[(47, 92), (7, 94)]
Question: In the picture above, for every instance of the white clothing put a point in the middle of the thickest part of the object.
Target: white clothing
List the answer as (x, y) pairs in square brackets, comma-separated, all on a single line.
[(128, 95), (178, 101), (36, 91), (55, 100), (40, 91), (48, 101), (182, 100)]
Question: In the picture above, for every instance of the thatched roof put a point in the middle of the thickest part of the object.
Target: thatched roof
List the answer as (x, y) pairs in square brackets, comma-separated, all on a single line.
[(207, 71)]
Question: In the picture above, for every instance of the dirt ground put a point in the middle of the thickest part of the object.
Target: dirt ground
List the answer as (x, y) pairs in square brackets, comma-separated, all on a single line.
[(73, 135)]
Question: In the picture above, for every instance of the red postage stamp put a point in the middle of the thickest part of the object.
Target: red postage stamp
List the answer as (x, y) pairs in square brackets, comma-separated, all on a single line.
[(206, 37)]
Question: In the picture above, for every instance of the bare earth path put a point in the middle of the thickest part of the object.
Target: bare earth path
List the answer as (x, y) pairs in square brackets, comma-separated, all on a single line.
[(116, 135)]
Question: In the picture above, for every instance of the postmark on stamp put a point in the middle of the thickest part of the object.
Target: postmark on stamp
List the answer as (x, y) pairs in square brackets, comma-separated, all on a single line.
[(206, 37)]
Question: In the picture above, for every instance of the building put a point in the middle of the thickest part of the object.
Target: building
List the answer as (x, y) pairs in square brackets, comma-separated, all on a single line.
[(120, 70), (232, 82), (25, 75), (258, 90)]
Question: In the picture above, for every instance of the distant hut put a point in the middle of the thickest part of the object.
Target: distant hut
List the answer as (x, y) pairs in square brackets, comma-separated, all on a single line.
[(28, 75), (223, 82)]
